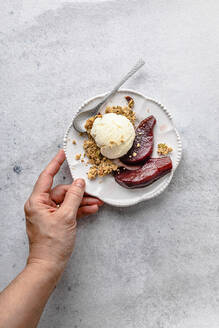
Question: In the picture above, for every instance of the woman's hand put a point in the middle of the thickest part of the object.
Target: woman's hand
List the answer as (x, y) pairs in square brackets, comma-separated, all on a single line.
[(51, 216), (51, 226)]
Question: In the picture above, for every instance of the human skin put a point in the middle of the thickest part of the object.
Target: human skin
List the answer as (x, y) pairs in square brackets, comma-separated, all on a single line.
[(51, 231)]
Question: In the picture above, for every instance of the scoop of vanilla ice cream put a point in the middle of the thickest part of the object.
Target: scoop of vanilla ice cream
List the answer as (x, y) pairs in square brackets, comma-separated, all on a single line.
[(114, 134)]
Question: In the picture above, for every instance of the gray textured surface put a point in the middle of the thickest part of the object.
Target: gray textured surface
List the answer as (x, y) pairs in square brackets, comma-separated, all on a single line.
[(153, 265)]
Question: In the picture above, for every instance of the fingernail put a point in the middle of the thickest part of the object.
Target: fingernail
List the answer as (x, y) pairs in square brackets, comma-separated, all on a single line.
[(80, 183)]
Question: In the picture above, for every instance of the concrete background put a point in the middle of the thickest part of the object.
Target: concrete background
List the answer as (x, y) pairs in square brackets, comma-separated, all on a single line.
[(153, 265)]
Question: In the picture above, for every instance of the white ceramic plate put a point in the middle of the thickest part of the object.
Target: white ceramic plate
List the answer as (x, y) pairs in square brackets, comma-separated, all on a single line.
[(106, 188)]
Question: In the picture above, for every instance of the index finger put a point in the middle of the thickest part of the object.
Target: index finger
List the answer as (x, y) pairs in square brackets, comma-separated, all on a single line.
[(45, 180)]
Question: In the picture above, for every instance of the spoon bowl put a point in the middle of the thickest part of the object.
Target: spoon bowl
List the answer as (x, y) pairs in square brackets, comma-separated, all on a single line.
[(81, 117)]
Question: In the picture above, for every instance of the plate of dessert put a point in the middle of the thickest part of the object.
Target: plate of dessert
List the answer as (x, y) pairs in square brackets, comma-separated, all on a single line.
[(129, 152)]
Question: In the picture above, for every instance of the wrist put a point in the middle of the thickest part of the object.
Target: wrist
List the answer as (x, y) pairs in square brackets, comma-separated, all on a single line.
[(50, 269)]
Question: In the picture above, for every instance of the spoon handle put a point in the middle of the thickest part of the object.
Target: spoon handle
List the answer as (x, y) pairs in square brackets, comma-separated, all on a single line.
[(134, 69)]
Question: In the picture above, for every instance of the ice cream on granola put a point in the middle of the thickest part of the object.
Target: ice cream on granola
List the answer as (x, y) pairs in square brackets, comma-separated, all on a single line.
[(100, 164)]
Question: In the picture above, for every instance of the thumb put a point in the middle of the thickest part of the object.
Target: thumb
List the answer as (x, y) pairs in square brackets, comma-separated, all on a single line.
[(73, 197)]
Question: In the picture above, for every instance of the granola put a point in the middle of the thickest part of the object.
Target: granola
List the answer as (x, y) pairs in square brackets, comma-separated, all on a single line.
[(77, 157), (101, 165), (126, 111), (163, 149)]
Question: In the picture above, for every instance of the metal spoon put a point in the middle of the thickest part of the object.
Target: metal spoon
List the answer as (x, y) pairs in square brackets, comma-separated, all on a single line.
[(81, 117)]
